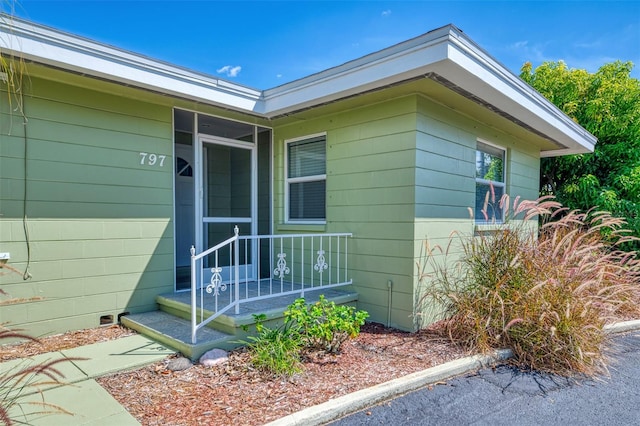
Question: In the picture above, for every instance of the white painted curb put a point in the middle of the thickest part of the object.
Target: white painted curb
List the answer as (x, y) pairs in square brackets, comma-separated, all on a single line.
[(621, 327), (336, 408), (347, 404)]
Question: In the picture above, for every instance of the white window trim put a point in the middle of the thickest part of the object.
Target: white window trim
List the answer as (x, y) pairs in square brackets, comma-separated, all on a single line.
[(496, 184), (288, 181)]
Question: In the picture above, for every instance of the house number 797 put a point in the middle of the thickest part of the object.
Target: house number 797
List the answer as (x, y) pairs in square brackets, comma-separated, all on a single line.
[(147, 159)]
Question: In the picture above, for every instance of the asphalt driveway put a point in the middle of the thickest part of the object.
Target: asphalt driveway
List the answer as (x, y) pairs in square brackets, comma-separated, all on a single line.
[(507, 396)]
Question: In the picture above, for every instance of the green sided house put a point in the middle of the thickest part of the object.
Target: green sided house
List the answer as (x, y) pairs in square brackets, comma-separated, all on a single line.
[(134, 188)]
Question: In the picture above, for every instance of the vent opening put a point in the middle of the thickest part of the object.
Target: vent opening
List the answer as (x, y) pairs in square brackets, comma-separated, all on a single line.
[(106, 319)]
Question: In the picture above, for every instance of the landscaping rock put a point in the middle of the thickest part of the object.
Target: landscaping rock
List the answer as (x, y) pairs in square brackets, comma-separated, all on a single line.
[(179, 364), (214, 357)]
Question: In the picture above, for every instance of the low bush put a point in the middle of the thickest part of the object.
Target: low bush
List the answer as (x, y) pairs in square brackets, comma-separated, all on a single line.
[(545, 294), (324, 325)]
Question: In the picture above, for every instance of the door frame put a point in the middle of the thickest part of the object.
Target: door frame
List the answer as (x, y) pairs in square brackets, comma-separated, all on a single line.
[(180, 151), (201, 140)]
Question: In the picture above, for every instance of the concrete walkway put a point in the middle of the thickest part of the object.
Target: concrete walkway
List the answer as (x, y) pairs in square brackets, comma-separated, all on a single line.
[(88, 402)]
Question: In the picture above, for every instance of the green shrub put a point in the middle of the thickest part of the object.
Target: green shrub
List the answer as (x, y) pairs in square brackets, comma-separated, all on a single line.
[(275, 350), (545, 295), (324, 325)]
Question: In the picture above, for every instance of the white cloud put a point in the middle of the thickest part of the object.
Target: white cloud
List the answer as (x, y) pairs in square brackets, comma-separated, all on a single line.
[(278, 75), (593, 44), (519, 44), (230, 71), (526, 52), (386, 12)]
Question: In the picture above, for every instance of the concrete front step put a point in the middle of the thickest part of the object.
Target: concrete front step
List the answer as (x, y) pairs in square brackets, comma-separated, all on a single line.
[(175, 333), (171, 324), (179, 304)]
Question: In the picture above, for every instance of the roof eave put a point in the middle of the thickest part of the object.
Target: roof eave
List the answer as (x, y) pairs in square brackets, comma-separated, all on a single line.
[(444, 52), (501, 88), (401, 62), (43, 45)]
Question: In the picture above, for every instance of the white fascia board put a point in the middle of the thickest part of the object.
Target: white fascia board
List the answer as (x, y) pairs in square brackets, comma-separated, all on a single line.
[(562, 152), (50, 47), (395, 64), (479, 74)]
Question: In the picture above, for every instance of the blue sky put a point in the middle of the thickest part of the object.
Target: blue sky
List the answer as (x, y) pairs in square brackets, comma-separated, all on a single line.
[(263, 44)]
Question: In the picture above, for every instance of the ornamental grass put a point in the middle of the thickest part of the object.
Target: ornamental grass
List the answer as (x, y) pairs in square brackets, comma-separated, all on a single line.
[(544, 289), (25, 378), (21, 397)]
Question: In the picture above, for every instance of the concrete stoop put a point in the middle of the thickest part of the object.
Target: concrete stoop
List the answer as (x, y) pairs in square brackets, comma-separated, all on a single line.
[(171, 324), (175, 332)]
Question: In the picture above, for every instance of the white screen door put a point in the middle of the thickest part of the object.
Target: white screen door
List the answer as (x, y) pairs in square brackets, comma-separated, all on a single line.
[(226, 179)]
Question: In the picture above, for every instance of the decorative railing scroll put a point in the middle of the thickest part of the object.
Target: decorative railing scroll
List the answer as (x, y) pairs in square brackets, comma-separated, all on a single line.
[(246, 268)]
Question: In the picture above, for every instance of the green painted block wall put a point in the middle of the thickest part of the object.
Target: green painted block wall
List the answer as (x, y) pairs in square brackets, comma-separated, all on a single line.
[(98, 214)]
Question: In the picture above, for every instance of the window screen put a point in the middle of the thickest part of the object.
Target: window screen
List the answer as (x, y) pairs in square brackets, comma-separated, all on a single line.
[(306, 179)]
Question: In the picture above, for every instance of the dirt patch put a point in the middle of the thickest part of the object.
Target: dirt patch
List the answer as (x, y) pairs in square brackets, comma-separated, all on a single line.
[(60, 342)]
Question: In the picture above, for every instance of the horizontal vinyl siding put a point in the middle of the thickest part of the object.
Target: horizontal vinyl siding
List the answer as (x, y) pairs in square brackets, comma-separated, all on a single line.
[(370, 192), (101, 234)]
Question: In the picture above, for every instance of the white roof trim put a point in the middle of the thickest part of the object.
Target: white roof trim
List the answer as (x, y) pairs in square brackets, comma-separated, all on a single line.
[(369, 72), (51, 47), (445, 52)]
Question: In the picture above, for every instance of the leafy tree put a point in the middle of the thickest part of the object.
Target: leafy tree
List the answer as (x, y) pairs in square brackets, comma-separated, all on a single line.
[(607, 104)]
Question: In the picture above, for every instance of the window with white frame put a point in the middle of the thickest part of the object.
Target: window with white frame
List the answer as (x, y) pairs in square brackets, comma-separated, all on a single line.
[(490, 183), (306, 177)]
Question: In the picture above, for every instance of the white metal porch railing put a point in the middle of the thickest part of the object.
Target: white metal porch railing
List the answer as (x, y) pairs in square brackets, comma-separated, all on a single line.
[(247, 268)]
